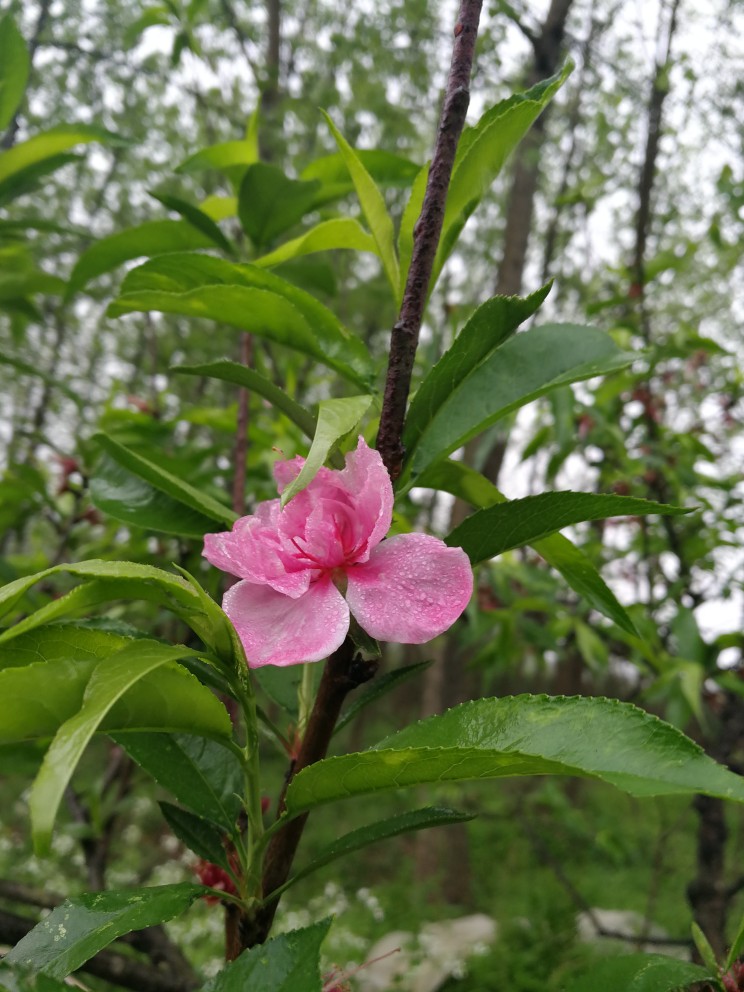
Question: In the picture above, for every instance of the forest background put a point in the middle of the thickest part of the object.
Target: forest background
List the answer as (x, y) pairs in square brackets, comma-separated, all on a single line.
[(628, 193)]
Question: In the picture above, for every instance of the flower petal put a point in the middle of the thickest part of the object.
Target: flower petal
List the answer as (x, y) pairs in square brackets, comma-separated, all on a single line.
[(253, 550), (412, 588), (278, 630), (367, 482)]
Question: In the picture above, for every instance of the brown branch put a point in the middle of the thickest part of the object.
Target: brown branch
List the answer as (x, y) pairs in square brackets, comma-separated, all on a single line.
[(344, 671), (405, 333), (548, 48), (659, 91), (241, 433)]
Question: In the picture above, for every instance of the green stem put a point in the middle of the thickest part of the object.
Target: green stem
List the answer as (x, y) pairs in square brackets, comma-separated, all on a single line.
[(252, 785), (304, 699)]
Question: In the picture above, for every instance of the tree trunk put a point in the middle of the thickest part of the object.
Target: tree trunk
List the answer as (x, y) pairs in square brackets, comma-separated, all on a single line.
[(548, 48)]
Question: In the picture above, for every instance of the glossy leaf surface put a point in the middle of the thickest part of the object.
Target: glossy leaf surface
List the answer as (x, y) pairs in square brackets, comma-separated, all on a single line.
[(246, 297), (328, 235), (288, 963), (336, 419), (373, 206), (524, 735), (166, 482), (523, 368), (201, 774), (490, 326), (517, 522), (126, 496), (241, 375), (576, 568), (108, 682), (197, 834), (80, 927), (482, 152)]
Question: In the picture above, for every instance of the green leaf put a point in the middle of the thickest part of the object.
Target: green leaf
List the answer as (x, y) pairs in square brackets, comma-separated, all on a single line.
[(48, 145), (736, 945), (169, 699), (247, 297), (126, 580), (288, 963), (270, 202), (11, 593), (201, 774), (60, 642), (490, 326), (78, 929), (24, 179), (197, 218), (154, 237), (336, 419), (384, 167), (14, 68), (328, 235), (420, 819), (377, 688), (524, 735), (520, 370), (109, 681), (21, 980), (373, 207), (705, 951), (639, 973), (482, 152), (241, 375), (166, 482), (199, 835), (226, 157), (576, 568), (129, 498), (500, 528), (281, 684)]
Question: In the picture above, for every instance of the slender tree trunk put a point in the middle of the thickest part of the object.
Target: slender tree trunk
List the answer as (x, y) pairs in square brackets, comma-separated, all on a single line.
[(548, 48), (271, 88)]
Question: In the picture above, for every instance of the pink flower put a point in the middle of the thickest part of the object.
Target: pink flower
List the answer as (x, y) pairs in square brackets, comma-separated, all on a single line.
[(295, 562)]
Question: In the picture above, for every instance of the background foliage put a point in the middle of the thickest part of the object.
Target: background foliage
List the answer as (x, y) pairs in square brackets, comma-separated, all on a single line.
[(641, 240)]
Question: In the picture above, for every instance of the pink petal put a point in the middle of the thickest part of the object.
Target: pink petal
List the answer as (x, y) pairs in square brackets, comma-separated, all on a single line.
[(252, 550), (412, 588), (368, 484), (279, 630)]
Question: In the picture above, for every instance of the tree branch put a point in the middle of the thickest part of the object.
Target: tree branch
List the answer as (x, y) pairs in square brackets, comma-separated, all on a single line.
[(344, 671), (405, 333)]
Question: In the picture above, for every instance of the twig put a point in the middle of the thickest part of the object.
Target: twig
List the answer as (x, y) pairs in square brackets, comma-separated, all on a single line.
[(405, 333), (241, 433), (343, 672)]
